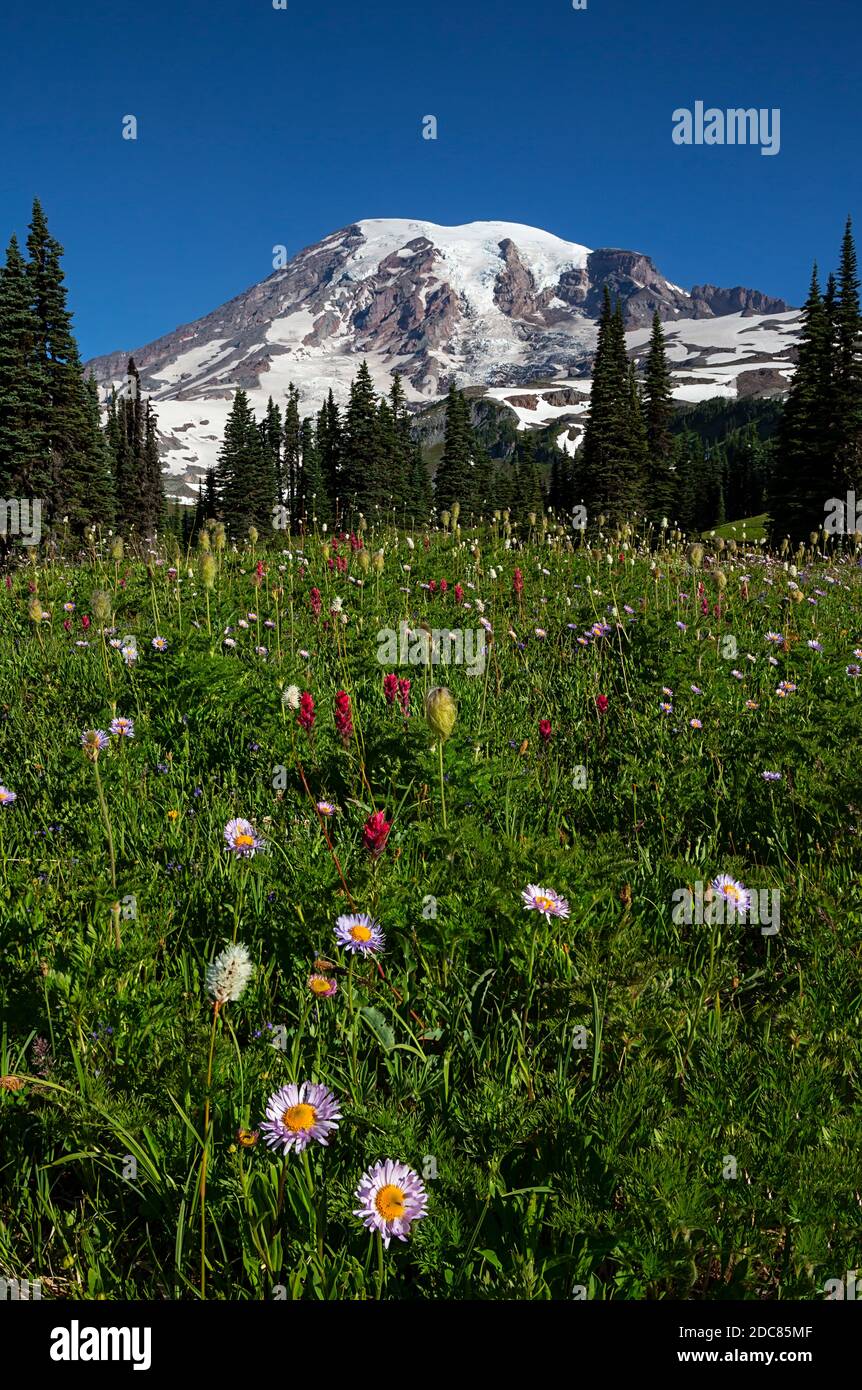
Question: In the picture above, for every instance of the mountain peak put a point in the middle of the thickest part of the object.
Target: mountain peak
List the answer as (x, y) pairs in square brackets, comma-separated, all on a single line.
[(493, 304)]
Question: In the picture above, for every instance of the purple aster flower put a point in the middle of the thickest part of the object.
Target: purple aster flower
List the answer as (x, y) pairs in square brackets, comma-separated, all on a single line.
[(7, 796), (298, 1115), (544, 900), (734, 893), (391, 1197), (159, 644), (359, 933), (122, 728), (771, 776), (853, 670), (94, 742), (243, 841)]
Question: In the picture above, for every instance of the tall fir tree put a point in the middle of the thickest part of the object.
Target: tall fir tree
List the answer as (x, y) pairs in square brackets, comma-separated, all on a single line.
[(74, 440), (128, 432), (25, 469), (315, 502), (612, 464), (292, 457), (454, 481), (401, 450), (804, 457), (658, 414), (364, 472), (238, 468), (846, 386), (329, 449), (526, 497), (421, 498), (271, 441)]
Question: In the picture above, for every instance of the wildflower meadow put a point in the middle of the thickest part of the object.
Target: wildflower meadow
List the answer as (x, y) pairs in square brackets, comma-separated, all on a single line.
[(536, 977)]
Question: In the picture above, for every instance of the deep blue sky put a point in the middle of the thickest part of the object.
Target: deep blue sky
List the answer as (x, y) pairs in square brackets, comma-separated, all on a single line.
[(260, 126)]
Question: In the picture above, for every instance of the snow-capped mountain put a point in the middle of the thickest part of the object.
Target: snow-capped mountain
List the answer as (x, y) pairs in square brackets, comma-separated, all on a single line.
[(492, 304)]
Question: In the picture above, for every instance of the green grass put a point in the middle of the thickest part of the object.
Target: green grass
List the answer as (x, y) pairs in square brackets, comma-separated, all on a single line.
[(751, 528), (574, 1091)]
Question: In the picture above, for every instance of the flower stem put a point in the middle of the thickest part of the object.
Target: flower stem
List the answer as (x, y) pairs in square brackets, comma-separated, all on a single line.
[(442, 792)]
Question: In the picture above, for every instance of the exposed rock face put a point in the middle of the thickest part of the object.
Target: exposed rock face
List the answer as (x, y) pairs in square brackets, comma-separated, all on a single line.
[(737, 301)]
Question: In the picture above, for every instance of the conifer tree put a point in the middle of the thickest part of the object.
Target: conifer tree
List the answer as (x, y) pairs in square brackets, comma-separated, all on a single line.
[(239, 464), (454, 481), (315, 502), (804, 463), (329, 449), (364, 485), (24, 460), (292, 457), (527, 488), (658, 413), (421, 498), (271, 441), (612, 460), (846, 392), (129, 438), (400, 450), (74, 439)]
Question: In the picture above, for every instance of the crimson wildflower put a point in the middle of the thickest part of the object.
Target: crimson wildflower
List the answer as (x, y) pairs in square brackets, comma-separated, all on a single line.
[(306, 715), (376, 833), (343, 720)]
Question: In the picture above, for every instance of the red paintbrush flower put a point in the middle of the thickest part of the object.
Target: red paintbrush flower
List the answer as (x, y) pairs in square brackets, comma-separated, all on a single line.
[(602, 703), (518, 582), (545, 730), (390, 687), (459, 594), (376, 833), (306, 712), (316, 602), (343, 720), (404, 695)]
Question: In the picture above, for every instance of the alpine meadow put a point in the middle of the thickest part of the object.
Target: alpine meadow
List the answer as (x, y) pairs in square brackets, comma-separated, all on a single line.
[(430, 721)]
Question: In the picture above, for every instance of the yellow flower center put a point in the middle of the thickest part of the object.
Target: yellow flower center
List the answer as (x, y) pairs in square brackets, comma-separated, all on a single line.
[(299, 1117), (242, 841), (390, 1202), (544, 904), (360, 933), (319, 986)]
